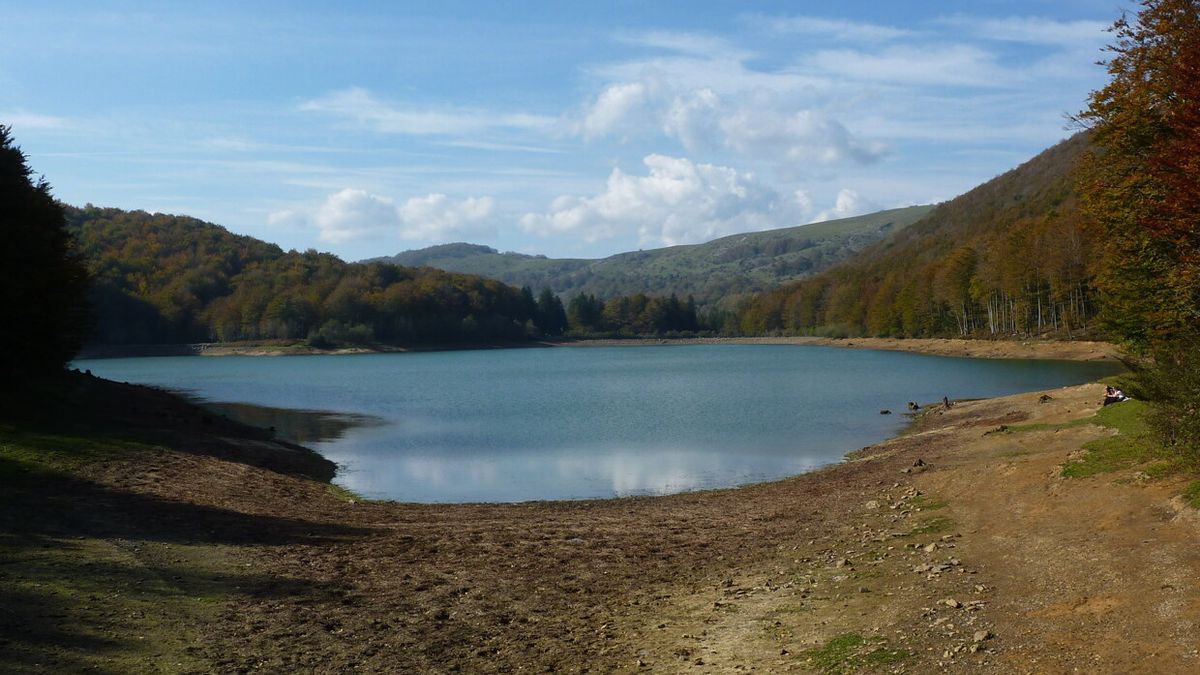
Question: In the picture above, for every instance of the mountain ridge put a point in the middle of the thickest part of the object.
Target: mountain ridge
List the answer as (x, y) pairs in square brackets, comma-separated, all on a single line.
[(717, 273)]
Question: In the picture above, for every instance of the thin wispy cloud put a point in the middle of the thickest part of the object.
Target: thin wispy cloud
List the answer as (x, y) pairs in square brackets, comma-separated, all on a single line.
[(837, 30), (359, 106)]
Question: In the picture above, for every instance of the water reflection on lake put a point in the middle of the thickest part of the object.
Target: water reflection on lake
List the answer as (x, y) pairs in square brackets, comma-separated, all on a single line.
[(512, 425)]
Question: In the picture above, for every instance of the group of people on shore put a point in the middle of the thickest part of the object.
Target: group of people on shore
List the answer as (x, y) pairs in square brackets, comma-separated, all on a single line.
[(1114, 395)]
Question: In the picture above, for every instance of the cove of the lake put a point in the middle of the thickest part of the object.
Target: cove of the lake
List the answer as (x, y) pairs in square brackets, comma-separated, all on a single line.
[(524, 424)]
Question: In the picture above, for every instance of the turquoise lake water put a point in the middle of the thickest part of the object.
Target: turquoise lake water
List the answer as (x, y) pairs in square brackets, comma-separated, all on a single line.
[(523, 424)]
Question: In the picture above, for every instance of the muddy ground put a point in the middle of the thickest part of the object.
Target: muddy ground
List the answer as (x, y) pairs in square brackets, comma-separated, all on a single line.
[(959, 547)]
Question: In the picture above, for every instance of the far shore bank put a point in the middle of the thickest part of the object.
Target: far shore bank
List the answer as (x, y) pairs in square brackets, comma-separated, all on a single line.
[(1067, 350)]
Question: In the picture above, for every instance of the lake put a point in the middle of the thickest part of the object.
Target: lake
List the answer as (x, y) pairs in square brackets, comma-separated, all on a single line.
[(564, 423)]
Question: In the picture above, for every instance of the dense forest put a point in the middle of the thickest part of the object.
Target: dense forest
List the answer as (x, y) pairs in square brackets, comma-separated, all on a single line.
[(172, 279), (1010, 257)]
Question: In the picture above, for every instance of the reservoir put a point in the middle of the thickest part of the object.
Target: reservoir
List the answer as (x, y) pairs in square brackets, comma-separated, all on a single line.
[(571, 423)]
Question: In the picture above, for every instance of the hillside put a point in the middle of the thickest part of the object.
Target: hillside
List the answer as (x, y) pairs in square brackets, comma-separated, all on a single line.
[(1008, 257), (171, 279), (715, 273)]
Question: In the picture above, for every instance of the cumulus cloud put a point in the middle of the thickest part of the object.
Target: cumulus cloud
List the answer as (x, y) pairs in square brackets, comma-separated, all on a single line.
[(847, 205), (353, 214), (759, 125), (676, 202), (436, 216), (360, 106)]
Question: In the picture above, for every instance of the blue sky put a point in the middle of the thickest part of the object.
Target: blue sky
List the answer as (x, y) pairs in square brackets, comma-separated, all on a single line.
[(570, 129)]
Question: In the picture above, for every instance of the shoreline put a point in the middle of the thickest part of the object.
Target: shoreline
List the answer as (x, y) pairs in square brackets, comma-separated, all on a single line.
[(900, 546), (1067, 350)]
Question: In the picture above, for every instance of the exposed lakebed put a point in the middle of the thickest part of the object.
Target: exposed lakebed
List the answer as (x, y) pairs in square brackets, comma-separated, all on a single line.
[(520, 424)]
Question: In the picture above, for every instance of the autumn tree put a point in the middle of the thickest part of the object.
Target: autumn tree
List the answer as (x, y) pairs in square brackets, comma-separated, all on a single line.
[(1142, 188), (1142, 184), (45, 282)]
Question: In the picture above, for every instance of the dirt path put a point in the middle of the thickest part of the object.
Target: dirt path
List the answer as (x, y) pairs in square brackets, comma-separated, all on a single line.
[(958, 547)]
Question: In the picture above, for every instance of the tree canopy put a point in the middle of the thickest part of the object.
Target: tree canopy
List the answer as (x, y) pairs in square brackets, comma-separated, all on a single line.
[(43, 295)]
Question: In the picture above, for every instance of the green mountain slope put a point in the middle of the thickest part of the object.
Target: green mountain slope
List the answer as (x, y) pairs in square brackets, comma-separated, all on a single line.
[(1009, 257), (716, 273)]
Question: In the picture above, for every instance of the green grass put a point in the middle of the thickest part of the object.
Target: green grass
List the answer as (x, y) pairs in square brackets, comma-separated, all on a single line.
[(1192, 494), (1134, 444), (926, 503), (27, 455), (342, 494), (851, 653), (932, 526)]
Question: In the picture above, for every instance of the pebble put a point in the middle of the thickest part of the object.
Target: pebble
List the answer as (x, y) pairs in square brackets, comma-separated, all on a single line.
[(981, 635), (951, 602)]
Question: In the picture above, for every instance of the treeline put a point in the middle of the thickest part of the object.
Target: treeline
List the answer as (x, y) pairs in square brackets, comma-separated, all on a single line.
[(1010, 257), (173, 279), (638, 315)]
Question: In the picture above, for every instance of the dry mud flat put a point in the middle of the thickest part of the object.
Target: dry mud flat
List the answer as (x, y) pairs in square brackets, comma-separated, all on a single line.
[(954, 548)]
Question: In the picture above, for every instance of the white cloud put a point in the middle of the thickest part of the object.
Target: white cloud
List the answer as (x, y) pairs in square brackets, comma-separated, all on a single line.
[(360, 106), (1033, 30), (617, 107), (436, 216), (847, 205), (941, 65), (838, 30), (676, 202), (25, 121), (353, 215), (761, 124)]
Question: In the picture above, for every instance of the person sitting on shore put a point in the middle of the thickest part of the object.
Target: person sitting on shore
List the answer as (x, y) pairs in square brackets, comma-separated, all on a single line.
[(1114, 395)]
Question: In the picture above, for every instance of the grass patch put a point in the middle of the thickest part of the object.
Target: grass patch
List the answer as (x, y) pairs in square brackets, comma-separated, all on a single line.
[(926, 503), (851, 653), (932, 526), (1134, 444), (344, 495), (27, 455), (1192, 494)]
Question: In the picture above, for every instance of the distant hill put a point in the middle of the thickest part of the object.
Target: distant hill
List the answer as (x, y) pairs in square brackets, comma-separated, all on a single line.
[(1009, 257), (716, 273), (162, 279)]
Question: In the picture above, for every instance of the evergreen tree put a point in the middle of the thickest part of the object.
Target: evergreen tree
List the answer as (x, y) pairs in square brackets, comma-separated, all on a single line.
[(45, 281), (551, 317)]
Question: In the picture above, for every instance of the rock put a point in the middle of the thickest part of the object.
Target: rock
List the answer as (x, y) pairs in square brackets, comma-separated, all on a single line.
[(872, 505), (841, 563), (981, 635), (951, 602), (863, 589), (885, 411), (1045, 398), (930, 548)]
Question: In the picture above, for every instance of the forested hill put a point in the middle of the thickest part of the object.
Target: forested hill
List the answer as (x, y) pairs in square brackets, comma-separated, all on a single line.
[(716, 273), (1009, 257), (172, 279)]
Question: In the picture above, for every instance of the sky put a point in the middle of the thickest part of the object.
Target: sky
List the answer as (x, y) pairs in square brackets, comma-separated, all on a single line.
[(571, 129)]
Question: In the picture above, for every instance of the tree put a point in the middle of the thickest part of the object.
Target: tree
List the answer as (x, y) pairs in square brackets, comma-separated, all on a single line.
[(551, 317), (43, 297), (1142, 185), (1142, 188)]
